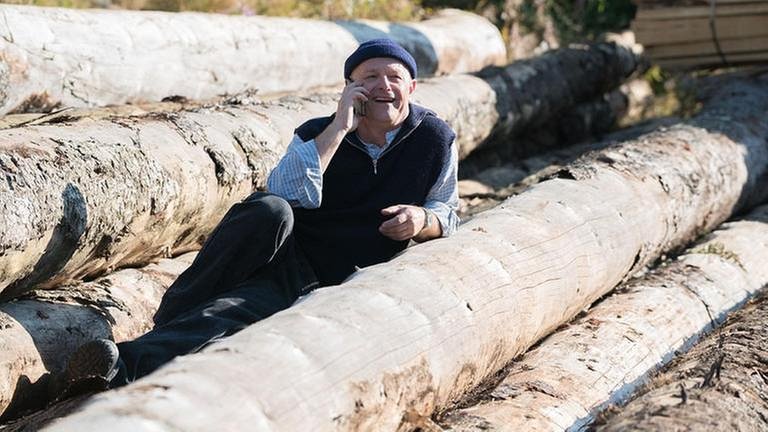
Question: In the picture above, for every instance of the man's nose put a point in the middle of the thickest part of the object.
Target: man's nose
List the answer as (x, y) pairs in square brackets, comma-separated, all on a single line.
[(383, 82)]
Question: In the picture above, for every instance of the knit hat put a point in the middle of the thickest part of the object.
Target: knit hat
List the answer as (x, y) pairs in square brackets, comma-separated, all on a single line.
[(379, 48)]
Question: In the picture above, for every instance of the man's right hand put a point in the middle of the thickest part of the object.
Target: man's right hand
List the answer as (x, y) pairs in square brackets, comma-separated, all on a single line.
[(343, 123), (345, 119)]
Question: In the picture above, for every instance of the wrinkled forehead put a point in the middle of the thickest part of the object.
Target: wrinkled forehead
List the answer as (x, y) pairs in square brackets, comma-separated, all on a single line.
[(381, 65)]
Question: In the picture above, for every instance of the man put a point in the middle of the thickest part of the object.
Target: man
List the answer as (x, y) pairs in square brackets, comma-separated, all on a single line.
[(352, 190)]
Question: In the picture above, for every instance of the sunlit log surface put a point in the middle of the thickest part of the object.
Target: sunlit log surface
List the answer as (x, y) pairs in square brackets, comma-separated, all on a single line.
[(399, 340)]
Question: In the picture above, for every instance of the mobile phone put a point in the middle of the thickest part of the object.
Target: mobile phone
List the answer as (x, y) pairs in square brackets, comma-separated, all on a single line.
[(359, 108)]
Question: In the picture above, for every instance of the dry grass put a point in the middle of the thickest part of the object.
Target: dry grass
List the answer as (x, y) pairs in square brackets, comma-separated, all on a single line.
[(391, 10)]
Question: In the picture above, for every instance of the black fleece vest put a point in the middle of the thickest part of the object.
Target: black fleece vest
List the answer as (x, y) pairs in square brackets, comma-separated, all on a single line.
[(343, 232)]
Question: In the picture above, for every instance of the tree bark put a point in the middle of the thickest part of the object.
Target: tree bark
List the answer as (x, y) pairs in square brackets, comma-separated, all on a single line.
[(399, 340), (61, 346), (51, 57), (533, 91), (604, 356), (487, 188), (40, 331), (720, 384), (85, 195)]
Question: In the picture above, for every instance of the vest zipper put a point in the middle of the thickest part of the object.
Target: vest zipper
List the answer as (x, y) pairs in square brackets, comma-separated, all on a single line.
[(391, 145)]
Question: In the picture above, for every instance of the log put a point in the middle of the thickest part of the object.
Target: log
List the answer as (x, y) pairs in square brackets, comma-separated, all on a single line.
[(719, 385), (26, 366), (486, 188), (539, 89), (40, 331), (399, 340), (604, 356), (86, 195), (52, 57)]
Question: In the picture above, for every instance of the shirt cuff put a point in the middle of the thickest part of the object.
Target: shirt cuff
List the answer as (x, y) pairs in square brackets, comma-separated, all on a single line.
[(449, 220)]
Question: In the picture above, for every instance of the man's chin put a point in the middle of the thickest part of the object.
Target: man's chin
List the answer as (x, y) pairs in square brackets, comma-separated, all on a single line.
[(390, 116)]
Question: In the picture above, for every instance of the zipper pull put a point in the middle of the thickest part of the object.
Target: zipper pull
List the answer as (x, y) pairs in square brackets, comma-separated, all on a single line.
[(375, 161)]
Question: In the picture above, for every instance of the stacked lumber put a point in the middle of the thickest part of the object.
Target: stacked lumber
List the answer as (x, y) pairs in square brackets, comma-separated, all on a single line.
[(86, 195), (51, 57), (703, 33), (404, 338), (604, 356)]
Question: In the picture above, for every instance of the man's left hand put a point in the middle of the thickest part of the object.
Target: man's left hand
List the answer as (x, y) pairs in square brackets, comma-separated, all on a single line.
[(407, 222)]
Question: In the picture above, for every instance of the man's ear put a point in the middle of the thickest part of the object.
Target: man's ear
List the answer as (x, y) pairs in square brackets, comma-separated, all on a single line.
[(412, 87)]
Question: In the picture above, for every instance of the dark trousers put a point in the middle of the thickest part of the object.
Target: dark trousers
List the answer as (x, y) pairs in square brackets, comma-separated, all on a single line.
[(249, 268)]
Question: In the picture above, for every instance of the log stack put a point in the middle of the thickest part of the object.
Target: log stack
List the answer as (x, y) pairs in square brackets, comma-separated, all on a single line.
[(401, 339), (702, 33), (51, 57)]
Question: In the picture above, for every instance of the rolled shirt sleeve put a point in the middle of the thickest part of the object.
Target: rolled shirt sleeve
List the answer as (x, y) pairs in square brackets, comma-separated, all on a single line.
[(297, 178), (443, 197)]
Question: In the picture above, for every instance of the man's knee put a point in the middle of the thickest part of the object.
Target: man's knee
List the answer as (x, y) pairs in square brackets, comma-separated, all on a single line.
[(266, 207)]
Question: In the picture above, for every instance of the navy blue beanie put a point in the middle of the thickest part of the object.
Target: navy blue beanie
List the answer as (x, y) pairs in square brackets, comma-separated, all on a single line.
[(379, 48)]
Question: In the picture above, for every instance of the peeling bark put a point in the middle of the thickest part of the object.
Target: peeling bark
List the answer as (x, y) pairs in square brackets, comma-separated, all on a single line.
[(51, 57), (401, 339), (83, 194), (39, 331), (604, 356), (721, 384)]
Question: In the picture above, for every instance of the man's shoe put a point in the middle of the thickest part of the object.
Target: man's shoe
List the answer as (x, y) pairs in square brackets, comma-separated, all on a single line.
[(91, 368)]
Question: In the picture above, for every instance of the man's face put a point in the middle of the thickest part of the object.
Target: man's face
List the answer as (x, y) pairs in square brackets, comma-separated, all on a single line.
[(390, 87)]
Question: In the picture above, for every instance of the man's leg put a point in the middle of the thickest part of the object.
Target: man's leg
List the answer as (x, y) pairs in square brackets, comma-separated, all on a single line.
[(251, 280), (251, 235), (191, 331)]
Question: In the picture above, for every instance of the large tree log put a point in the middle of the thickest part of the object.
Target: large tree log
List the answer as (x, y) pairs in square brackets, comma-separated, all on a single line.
[(40, 331), (487, 188), (398, 340), (85, 195), (605, 355), (721, 384), (24, 365), (26, 371), (51, 57)]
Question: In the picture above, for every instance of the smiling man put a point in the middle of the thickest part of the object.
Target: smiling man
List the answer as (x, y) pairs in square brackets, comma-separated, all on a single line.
[(362, 186), (351, 191)]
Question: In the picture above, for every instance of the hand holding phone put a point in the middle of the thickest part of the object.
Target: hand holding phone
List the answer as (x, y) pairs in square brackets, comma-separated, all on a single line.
[(359, 108)]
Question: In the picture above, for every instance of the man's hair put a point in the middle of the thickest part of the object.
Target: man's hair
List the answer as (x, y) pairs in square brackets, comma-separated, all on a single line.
[(379, 48)]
